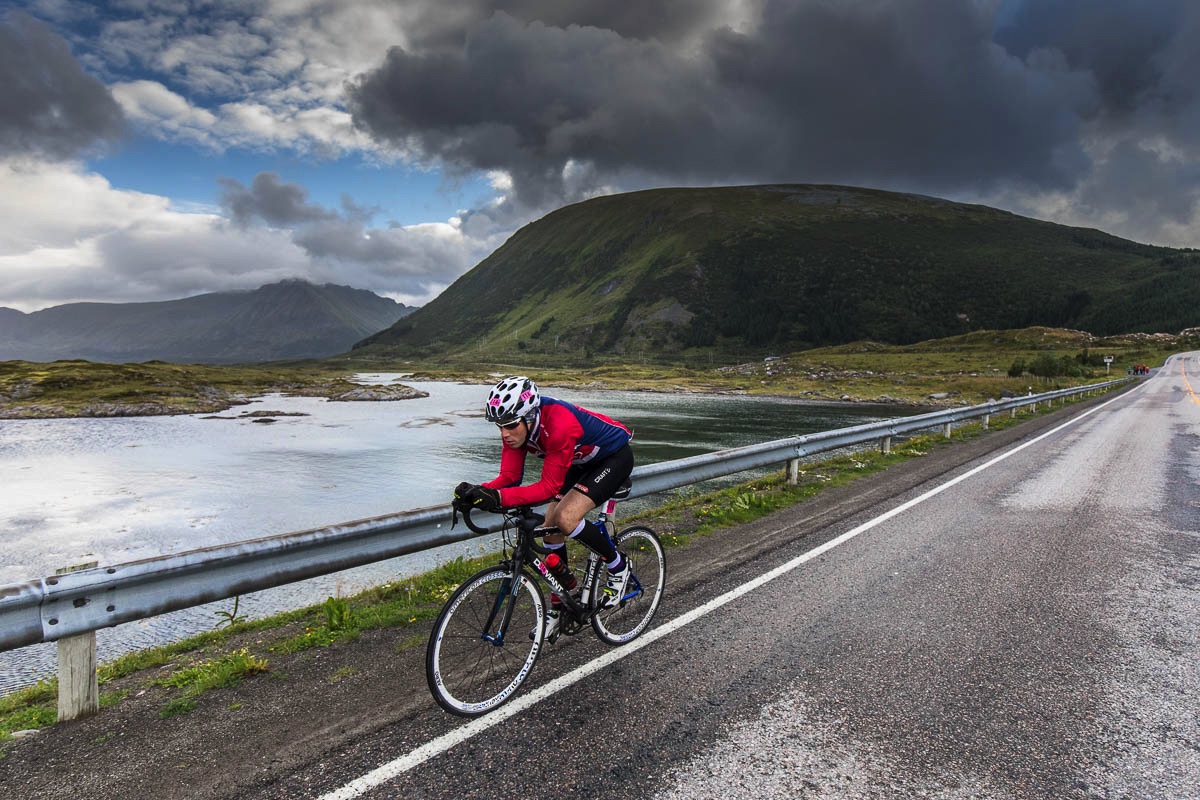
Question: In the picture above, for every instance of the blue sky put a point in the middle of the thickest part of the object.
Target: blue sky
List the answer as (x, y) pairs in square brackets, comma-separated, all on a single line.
[(155, 149), (402, 193)]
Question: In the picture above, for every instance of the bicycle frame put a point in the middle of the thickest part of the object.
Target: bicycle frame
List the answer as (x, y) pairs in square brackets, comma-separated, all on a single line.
[(525, 553)]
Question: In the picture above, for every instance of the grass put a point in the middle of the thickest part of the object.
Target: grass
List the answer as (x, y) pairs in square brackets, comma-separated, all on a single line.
[(83, 388), (219, 658), (966, 369), (707, 512), (227, 670)]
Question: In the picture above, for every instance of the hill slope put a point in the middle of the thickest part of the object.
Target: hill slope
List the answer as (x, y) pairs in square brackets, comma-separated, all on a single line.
[(291, 319), (735, 270)]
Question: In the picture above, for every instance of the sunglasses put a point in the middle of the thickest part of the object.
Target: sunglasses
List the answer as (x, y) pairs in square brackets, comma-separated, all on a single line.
[(508, 426)]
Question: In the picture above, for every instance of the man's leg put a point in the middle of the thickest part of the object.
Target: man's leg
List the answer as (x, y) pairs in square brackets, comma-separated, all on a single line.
[(571, 511), (552, 522)]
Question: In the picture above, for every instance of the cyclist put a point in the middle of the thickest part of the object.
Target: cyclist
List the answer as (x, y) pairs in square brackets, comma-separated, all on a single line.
[(586, 458)]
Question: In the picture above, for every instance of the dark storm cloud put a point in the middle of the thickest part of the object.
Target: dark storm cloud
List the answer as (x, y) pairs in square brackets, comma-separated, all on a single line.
[(405, 259), (527, 98), (322, 232), (1146, 65), (49, 107), (1120, 42), (444, 25), (903, 92), (952, 97), (1143, 187), (270, 200), (876, 92)]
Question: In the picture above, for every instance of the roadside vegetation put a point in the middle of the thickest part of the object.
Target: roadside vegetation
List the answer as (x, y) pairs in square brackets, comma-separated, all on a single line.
[(238, 649), (960, 370)]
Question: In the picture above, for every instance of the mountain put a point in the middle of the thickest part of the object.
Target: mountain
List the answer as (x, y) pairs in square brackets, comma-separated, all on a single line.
[(291, 319), (752, 269)]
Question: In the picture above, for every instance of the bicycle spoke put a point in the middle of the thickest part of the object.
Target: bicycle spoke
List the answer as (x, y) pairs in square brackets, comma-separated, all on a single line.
[(632, 615), (468, 671)]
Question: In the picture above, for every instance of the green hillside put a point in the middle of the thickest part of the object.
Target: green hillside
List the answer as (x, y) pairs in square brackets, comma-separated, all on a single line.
[(733, 271)]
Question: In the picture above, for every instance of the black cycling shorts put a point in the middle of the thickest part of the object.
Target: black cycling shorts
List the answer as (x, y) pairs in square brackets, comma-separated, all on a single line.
[(600, 480)]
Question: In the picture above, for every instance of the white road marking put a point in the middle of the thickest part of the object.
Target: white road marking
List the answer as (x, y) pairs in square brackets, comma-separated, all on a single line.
[(394, 769)]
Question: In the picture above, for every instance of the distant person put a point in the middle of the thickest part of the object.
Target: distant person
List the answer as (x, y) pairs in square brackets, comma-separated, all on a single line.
[(586, 459)]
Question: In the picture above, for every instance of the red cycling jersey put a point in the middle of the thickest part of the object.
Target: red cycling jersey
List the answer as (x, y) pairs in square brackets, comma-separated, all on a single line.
[(564, 434)]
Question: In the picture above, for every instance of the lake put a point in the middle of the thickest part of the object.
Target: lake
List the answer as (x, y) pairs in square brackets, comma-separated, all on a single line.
[(118, 490)]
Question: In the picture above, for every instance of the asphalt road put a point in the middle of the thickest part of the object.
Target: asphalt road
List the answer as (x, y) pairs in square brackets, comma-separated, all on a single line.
[(1029, 631), (1018, 621)]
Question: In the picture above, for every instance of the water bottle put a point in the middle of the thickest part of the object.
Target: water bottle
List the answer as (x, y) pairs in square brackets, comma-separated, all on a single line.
[(558, 568)]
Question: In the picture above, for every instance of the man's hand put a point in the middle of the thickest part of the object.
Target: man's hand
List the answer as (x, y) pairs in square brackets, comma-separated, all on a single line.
[(478, 497)]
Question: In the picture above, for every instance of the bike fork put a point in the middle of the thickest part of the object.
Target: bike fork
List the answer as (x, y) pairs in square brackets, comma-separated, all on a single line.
[(506, 599)]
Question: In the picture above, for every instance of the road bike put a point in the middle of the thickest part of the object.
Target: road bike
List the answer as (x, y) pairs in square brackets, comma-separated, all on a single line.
[(489, 634)]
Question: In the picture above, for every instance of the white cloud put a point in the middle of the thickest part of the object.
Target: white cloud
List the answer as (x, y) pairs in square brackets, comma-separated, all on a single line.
[(71, 236), (171, 117), (168, 114), (265, 74), (55, 205)]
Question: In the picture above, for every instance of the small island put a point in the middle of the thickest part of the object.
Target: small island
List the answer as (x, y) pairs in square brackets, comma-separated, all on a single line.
[(30, 390)]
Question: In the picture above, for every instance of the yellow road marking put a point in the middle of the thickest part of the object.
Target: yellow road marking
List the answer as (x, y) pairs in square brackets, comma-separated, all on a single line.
[(1191, 393)]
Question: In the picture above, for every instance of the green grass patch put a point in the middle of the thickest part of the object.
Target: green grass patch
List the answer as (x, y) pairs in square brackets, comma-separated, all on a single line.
[(37, 707), (227, 670), (342, 674), (399, 603), (154, 657)]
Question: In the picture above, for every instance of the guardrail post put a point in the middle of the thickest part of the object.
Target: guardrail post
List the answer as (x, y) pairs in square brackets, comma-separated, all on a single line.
[(885, 445), (986, 419), (793, 471), (946, 429), (78, 687)]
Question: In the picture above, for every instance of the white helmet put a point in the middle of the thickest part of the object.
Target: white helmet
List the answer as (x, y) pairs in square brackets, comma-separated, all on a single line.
[(512, 399)]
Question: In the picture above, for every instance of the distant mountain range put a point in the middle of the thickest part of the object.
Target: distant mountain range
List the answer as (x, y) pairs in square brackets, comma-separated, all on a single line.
[(724, 272), (288, 320)]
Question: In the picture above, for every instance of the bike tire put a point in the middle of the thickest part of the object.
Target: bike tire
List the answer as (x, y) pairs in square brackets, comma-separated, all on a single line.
[(473, 665), (626, 621)]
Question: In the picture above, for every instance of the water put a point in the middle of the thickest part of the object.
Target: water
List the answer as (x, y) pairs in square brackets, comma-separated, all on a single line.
[(118, 490)]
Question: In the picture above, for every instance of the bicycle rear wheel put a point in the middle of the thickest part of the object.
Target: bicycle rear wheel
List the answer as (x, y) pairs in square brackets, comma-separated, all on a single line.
[(626, 621), (481, 648)]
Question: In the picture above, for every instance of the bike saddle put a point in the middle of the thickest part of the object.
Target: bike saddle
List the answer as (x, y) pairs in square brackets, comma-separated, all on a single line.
[(623, 492)]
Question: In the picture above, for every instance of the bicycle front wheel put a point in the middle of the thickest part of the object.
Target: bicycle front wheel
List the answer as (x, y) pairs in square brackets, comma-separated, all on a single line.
[(485, 641), (633, 613)]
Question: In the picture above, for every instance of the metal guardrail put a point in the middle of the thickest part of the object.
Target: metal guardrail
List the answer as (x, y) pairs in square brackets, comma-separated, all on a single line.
[(53, 608)]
